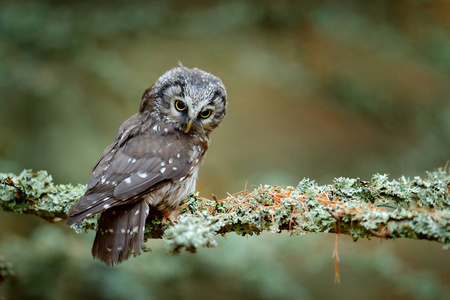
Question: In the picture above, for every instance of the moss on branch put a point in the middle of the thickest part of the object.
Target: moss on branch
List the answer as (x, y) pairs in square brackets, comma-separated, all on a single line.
[(417, 208)]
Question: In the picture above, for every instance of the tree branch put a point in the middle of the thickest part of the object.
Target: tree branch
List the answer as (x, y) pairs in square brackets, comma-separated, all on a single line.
[(417, 208)]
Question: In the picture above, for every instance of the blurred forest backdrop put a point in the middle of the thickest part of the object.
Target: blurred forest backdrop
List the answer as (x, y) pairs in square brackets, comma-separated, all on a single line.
[(317, 89)]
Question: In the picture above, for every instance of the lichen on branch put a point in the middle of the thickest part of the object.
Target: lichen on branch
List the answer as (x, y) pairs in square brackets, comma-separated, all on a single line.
[(417, 208), (35, 193)]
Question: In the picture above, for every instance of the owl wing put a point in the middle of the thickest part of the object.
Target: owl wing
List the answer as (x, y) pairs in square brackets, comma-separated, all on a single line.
[(136, 164)]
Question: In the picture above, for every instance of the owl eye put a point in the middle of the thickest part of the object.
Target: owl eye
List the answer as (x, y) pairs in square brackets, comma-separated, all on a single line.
[(206, 113), (180, 106)]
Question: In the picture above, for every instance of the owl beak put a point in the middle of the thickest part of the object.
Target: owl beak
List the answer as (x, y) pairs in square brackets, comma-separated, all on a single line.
[(188, 127)]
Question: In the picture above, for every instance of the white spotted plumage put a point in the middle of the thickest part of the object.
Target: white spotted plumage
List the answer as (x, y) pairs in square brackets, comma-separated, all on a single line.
[(142, 174), (153, 163)]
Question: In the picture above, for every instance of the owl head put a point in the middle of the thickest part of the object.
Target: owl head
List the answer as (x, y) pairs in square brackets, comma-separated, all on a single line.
[(192, 99)]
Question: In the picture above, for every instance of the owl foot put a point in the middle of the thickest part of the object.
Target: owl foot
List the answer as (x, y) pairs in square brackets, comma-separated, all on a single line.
[(172, 217)]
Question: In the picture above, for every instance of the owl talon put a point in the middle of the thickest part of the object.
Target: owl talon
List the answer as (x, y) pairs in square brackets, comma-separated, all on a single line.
[(172, 217)]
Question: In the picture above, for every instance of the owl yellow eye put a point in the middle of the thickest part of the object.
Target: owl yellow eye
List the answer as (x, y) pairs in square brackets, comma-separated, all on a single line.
[(206, 113), (180, 106)]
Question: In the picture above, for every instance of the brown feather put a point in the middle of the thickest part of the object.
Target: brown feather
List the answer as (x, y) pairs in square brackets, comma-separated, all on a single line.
[(120, 232)]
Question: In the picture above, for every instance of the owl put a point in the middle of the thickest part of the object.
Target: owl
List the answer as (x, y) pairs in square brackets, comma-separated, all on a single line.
[(153, 162)]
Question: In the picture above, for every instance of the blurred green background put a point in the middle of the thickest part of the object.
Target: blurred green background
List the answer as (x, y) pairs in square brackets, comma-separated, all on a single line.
[(316, 89)]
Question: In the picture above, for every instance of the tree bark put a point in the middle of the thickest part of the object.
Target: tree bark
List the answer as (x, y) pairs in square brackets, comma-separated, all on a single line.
[(417, 208)]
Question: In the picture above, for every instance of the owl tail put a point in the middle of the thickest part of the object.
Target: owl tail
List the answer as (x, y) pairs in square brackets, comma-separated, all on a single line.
[(120, 232)]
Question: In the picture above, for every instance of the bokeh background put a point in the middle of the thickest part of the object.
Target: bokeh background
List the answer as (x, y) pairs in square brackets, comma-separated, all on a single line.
[(316, 89)]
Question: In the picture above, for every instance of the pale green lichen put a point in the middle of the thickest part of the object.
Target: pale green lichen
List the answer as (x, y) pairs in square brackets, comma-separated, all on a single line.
[(417, 208), (191, 233), (36, 193)]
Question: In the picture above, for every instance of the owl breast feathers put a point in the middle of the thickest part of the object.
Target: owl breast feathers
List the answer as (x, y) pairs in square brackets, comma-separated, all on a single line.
[(153, 162)]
